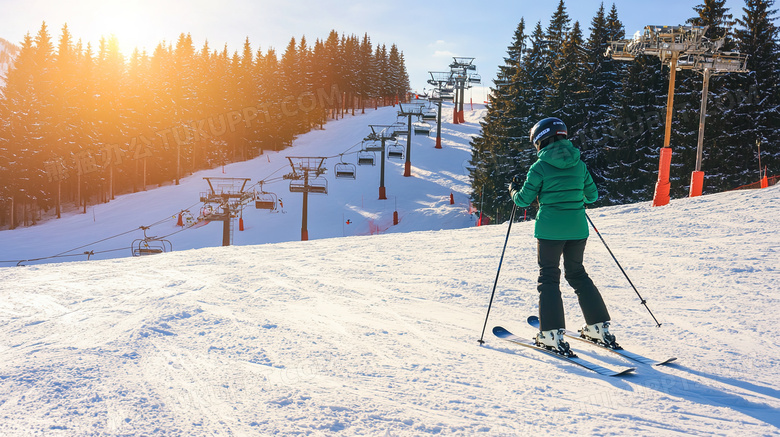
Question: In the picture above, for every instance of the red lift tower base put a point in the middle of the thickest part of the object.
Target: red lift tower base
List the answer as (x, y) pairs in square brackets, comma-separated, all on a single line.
[(661, 196)]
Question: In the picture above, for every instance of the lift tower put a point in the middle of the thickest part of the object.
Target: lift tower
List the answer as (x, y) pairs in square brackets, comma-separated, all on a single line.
[(460, 69), (679, 47), (306, 178), (439, 79), (409, 110), (380, 133), (229, 197), (709, 64)]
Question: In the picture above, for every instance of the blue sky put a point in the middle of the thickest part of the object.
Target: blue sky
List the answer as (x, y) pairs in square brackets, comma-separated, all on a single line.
[(429, 33)]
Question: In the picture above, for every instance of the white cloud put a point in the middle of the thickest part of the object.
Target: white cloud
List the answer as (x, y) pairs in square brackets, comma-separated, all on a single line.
[(443, 54)]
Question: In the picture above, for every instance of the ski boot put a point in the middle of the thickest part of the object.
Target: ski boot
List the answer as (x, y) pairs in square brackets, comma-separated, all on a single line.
[(599, 333), (553, 340)]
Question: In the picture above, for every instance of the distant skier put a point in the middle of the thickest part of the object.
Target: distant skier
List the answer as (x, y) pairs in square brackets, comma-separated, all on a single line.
[(562, 183)]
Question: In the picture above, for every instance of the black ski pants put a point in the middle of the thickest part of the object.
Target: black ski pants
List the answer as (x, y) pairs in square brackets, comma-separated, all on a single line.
[(550, 303)]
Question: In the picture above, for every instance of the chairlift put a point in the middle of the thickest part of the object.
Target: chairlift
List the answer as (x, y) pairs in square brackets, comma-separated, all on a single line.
[(422, 128), (344, 170), (429, 115), (266, 200), (316, 186), (475, 78), (150, 245), (366, 158), (400, 129), (373, 146), (395, 151), (206, 211), (447, 95)]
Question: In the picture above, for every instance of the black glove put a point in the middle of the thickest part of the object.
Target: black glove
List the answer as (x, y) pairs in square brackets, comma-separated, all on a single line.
[(514, 186)]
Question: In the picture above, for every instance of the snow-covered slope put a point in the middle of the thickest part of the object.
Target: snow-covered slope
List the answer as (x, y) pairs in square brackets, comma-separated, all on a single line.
[(377, 335), (422, 201)]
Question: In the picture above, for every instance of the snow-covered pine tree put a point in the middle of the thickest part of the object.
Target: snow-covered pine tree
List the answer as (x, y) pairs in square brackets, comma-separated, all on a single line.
[(756, 115), (566, 96), (630, 165), (688, 95), (492, 163), (602, 80)]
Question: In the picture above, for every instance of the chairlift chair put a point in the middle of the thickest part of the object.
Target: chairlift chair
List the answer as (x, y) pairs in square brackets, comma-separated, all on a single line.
[(316, 186), (266, 200), (373, 146), (366, 158), (400, 129), (344, 170), (395, 151), (475, 78), (297, 186), (422, 128), (429, 115), (150, 245), (144, 247), (447, 96)]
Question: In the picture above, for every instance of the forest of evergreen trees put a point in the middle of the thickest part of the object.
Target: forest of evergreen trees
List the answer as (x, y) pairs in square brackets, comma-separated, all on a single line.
[(615, 111), (82, 125)]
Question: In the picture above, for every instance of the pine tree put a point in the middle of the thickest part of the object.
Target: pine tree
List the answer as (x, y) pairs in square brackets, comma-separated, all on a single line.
[(18, 150), (757, 118), (382, 66), (688, 97), (366, 71), (602, 80), (497, 153), (566, 95), (534, 74), (118, 124), (396, 87), (630, 160)]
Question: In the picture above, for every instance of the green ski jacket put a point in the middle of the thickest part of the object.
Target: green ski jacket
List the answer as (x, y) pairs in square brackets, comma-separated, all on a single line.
[(563, 185)]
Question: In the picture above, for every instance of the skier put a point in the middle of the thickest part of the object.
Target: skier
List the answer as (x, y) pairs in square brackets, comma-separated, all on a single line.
[(562, 184)]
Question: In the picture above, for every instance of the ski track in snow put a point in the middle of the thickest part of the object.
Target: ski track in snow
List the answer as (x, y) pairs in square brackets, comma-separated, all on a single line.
[(377, 335)]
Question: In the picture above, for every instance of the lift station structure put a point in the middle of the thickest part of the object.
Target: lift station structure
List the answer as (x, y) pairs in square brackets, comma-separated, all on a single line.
[(306, 178), (679, 47)]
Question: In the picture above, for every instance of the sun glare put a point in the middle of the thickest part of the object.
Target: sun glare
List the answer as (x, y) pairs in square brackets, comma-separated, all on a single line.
[(135, 24)]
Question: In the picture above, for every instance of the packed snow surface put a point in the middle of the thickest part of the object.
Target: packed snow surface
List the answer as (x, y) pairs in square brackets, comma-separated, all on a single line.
[(378, 334)]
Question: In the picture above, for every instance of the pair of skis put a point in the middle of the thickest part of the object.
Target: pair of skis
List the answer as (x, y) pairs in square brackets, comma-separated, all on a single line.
[(504, 334)]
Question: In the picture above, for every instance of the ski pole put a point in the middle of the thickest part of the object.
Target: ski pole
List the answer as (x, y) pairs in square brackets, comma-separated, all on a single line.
[(500, 261), (643, 301)]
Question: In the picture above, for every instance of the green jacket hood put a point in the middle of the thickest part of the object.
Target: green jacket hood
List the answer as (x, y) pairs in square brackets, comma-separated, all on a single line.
[(560, 154)]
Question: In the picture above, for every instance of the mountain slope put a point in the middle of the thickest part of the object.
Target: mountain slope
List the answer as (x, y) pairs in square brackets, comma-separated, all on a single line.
[(422, 201), (377, 335)]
